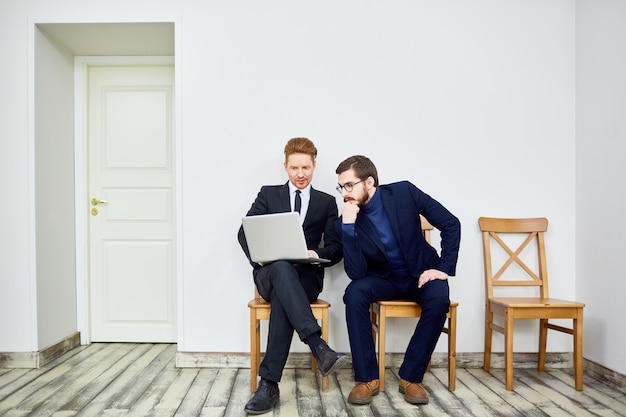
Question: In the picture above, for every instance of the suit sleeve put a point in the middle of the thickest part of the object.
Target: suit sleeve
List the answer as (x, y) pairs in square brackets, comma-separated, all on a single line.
[(331, 249), (448, 225), (354, 262)]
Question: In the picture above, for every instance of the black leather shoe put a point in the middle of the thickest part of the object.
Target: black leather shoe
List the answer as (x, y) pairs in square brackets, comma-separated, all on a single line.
[(264, 399), (327, 359)]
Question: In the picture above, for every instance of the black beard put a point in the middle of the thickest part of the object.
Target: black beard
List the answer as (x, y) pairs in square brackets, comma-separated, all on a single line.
[(363, 200)]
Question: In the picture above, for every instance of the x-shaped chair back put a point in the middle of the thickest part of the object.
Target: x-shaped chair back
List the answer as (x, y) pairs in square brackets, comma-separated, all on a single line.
[(534, 228)]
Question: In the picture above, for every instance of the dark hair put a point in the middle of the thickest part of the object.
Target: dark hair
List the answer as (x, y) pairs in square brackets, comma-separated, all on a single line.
[(300, 145), (362, 166)]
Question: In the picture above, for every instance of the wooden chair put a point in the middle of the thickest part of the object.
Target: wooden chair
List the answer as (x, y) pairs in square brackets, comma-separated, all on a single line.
[(382, 310), (510, 308), (260, 310)]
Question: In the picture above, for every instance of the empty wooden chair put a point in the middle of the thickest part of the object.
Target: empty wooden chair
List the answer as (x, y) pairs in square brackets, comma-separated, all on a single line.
[(260, 310), (495, 232), (382, 310)]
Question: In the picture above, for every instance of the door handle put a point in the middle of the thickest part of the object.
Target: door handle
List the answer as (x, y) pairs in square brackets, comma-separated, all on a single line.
[(95, 201)]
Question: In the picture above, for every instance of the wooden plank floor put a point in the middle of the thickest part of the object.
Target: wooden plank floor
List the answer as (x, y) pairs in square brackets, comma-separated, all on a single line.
[(141, 380)]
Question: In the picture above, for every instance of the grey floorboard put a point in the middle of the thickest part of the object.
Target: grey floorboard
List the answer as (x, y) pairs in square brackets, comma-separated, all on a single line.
[(125, 379)]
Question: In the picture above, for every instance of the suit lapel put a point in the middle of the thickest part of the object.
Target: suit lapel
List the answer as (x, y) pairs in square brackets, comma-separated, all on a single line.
[(365, 227), (283, 194), (390, 209), (314, 206)]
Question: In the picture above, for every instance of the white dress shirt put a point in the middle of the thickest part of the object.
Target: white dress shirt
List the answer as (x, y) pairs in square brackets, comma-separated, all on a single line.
[(305, 196)]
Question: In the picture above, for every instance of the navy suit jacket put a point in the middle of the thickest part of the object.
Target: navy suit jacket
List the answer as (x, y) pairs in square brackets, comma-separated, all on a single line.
[(319, 224), (364, 253)]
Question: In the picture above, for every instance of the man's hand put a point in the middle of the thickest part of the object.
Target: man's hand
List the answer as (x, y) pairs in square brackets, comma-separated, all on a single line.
[(429, 275), (349, 211)]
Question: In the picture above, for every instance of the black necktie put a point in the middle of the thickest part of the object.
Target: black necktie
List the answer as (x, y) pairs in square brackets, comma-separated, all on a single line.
[(298, 204)]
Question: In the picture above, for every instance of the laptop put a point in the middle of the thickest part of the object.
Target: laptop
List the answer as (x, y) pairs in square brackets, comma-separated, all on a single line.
[(279, 236)]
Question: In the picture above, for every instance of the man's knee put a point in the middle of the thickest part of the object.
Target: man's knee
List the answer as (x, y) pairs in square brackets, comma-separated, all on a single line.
[(274, 275), (281, 268), (436, 297), (357, 293), (280, 271)]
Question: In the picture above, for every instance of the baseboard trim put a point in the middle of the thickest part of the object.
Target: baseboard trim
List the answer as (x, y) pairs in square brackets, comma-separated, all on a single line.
[(606, 375), (39, 359), (554, 360), (439, 360)]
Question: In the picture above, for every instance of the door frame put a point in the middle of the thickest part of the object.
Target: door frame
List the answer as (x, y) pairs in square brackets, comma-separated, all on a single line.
[(81, 182)]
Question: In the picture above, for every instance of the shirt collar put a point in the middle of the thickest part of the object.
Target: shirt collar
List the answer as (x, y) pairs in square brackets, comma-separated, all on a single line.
[(305, 191)]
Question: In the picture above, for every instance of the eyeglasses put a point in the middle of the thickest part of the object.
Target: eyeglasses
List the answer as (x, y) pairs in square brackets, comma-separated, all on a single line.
[(347, 187)]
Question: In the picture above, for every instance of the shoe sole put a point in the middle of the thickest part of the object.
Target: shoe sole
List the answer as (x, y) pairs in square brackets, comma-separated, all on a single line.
[(255, 413), (412, 401), (364, 402), (338, 362)]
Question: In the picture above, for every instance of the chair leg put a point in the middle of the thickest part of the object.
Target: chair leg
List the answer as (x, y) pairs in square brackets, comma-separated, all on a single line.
[(543, 342), (578, 351), (382, 336), (508, 349), (314, 362), (488, 337), (452, 349), (374, 322), (325, 337), (255, 349)]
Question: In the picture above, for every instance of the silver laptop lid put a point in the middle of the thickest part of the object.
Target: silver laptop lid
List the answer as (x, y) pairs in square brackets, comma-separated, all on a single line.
[(278, 236)]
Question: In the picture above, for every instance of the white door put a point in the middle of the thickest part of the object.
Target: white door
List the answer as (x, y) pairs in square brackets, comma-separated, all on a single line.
[(131, 204)]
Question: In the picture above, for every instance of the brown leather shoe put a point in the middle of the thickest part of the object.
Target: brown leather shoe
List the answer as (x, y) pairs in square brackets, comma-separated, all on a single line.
[(414, 392), (363, 392)]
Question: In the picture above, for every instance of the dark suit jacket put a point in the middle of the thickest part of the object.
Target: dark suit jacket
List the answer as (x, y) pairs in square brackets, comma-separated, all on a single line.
[(319, 223), (364, 254)]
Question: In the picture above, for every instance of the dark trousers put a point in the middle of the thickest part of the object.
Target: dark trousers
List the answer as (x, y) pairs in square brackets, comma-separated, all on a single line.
[(434, 297), (290, 291)]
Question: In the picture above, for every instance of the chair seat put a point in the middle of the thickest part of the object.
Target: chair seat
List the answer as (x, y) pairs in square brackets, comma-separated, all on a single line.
[(405, 308), (262, 308), (535, 307), (261, 303), (529, 302)]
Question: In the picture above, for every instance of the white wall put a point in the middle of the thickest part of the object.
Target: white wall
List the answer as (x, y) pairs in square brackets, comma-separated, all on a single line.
[(472, 101), (18, 320), (54, 192), (601, 177)]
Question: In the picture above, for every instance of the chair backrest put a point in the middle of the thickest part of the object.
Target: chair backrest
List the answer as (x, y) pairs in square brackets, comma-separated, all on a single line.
[(426, 228), (531, 229)]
